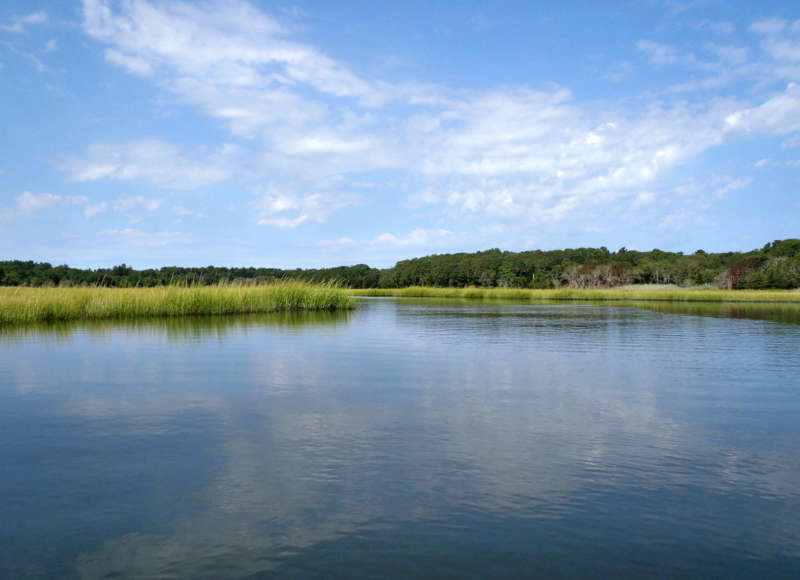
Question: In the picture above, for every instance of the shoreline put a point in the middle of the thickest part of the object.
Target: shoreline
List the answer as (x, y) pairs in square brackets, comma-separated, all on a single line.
[(590, 295)]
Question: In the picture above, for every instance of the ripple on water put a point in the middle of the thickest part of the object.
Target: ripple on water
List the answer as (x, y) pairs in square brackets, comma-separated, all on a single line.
[(405, 438)]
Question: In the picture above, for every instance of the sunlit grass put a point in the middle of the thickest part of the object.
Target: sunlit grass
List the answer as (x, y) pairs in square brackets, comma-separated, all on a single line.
[(668, 295), (24, 305)]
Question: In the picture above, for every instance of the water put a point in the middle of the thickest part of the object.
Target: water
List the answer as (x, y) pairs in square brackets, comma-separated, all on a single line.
[(408, 438)]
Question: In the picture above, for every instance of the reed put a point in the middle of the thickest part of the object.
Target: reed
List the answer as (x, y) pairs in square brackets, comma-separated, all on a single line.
[(616, 294), (25, 305)]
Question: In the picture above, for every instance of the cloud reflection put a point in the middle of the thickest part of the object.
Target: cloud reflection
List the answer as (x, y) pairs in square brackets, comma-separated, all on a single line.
[(444, 415)]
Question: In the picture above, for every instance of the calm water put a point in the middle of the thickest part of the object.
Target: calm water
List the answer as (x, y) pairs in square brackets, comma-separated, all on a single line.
[(406, 438)]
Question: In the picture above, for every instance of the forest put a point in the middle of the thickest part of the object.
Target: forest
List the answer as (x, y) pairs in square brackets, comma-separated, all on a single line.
[(776, 265)]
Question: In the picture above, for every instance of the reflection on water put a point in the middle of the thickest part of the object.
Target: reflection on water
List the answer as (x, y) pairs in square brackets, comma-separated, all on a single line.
[(784, 313), (405, 438), (176, 328), (788, 313)]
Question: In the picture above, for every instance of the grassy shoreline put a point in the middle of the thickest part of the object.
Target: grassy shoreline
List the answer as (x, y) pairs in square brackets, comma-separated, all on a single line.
[(616, 294), (26, 305)]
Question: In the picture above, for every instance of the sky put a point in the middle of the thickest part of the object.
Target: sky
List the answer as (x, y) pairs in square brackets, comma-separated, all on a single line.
[(313, 134)]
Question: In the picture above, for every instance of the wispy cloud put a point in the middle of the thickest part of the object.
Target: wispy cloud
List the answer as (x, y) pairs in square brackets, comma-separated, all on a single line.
[(132, 206), (729, 53), (127, 204), (682, 219), (232, 44), (307, 123), (158, 162), (779, 115), (337, 244), (31, 57), (96, 209), (286, 211), (230, 59), (768, 26), (644, 199), (733, 185), (720, 27), (21, 23), (541, 156), (620, 71), (416, 237), (658, 53), (148, 239), (183, 211), (30, 204)]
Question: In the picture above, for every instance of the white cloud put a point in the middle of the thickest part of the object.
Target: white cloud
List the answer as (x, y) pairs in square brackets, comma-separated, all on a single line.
[(20, 23), (779, 115), (343, 242), (228, 44), (619, 71), (657, 53), (29, 204), (124, 205), (158, 162), (130, 236), (531, 156), (508, 155), (720, 27), (644, 199), (288, 211), (128, 204), (29, 56), (325, 144), (416, 237), (186, 212), (783, 49), (236, 64), (791, 142), (733, 185), (768, 26), (133, 64), (96, 209), (544, 134), (761, 163), (729, 53), (781, 43), (681, 219)]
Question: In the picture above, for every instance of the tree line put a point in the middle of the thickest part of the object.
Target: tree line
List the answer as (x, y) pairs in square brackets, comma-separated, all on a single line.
[(776, 265)]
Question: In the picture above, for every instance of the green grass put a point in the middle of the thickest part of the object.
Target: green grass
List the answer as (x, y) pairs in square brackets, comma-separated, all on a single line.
[(27, 305), (627, 294)]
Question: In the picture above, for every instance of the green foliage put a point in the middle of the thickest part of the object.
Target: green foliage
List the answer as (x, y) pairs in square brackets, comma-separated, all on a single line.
[(598, 268), (18, 273), (776, 265), (26, 305)]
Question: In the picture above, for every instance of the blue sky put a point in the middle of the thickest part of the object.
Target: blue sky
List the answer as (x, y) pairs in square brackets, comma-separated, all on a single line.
[(324, 133)]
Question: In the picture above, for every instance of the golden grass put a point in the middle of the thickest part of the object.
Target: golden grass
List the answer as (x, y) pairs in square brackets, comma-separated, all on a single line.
[(25, 305), (616, 294)]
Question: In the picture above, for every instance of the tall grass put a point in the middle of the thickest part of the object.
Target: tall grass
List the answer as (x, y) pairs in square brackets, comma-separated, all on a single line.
[(667, 295), (24, 305)]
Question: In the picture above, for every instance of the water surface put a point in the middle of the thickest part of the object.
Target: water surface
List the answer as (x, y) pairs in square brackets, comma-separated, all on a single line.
[(409, 437)]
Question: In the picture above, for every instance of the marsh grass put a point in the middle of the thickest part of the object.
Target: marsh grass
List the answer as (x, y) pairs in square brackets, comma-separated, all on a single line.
[(27, 305), (616, 294)]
